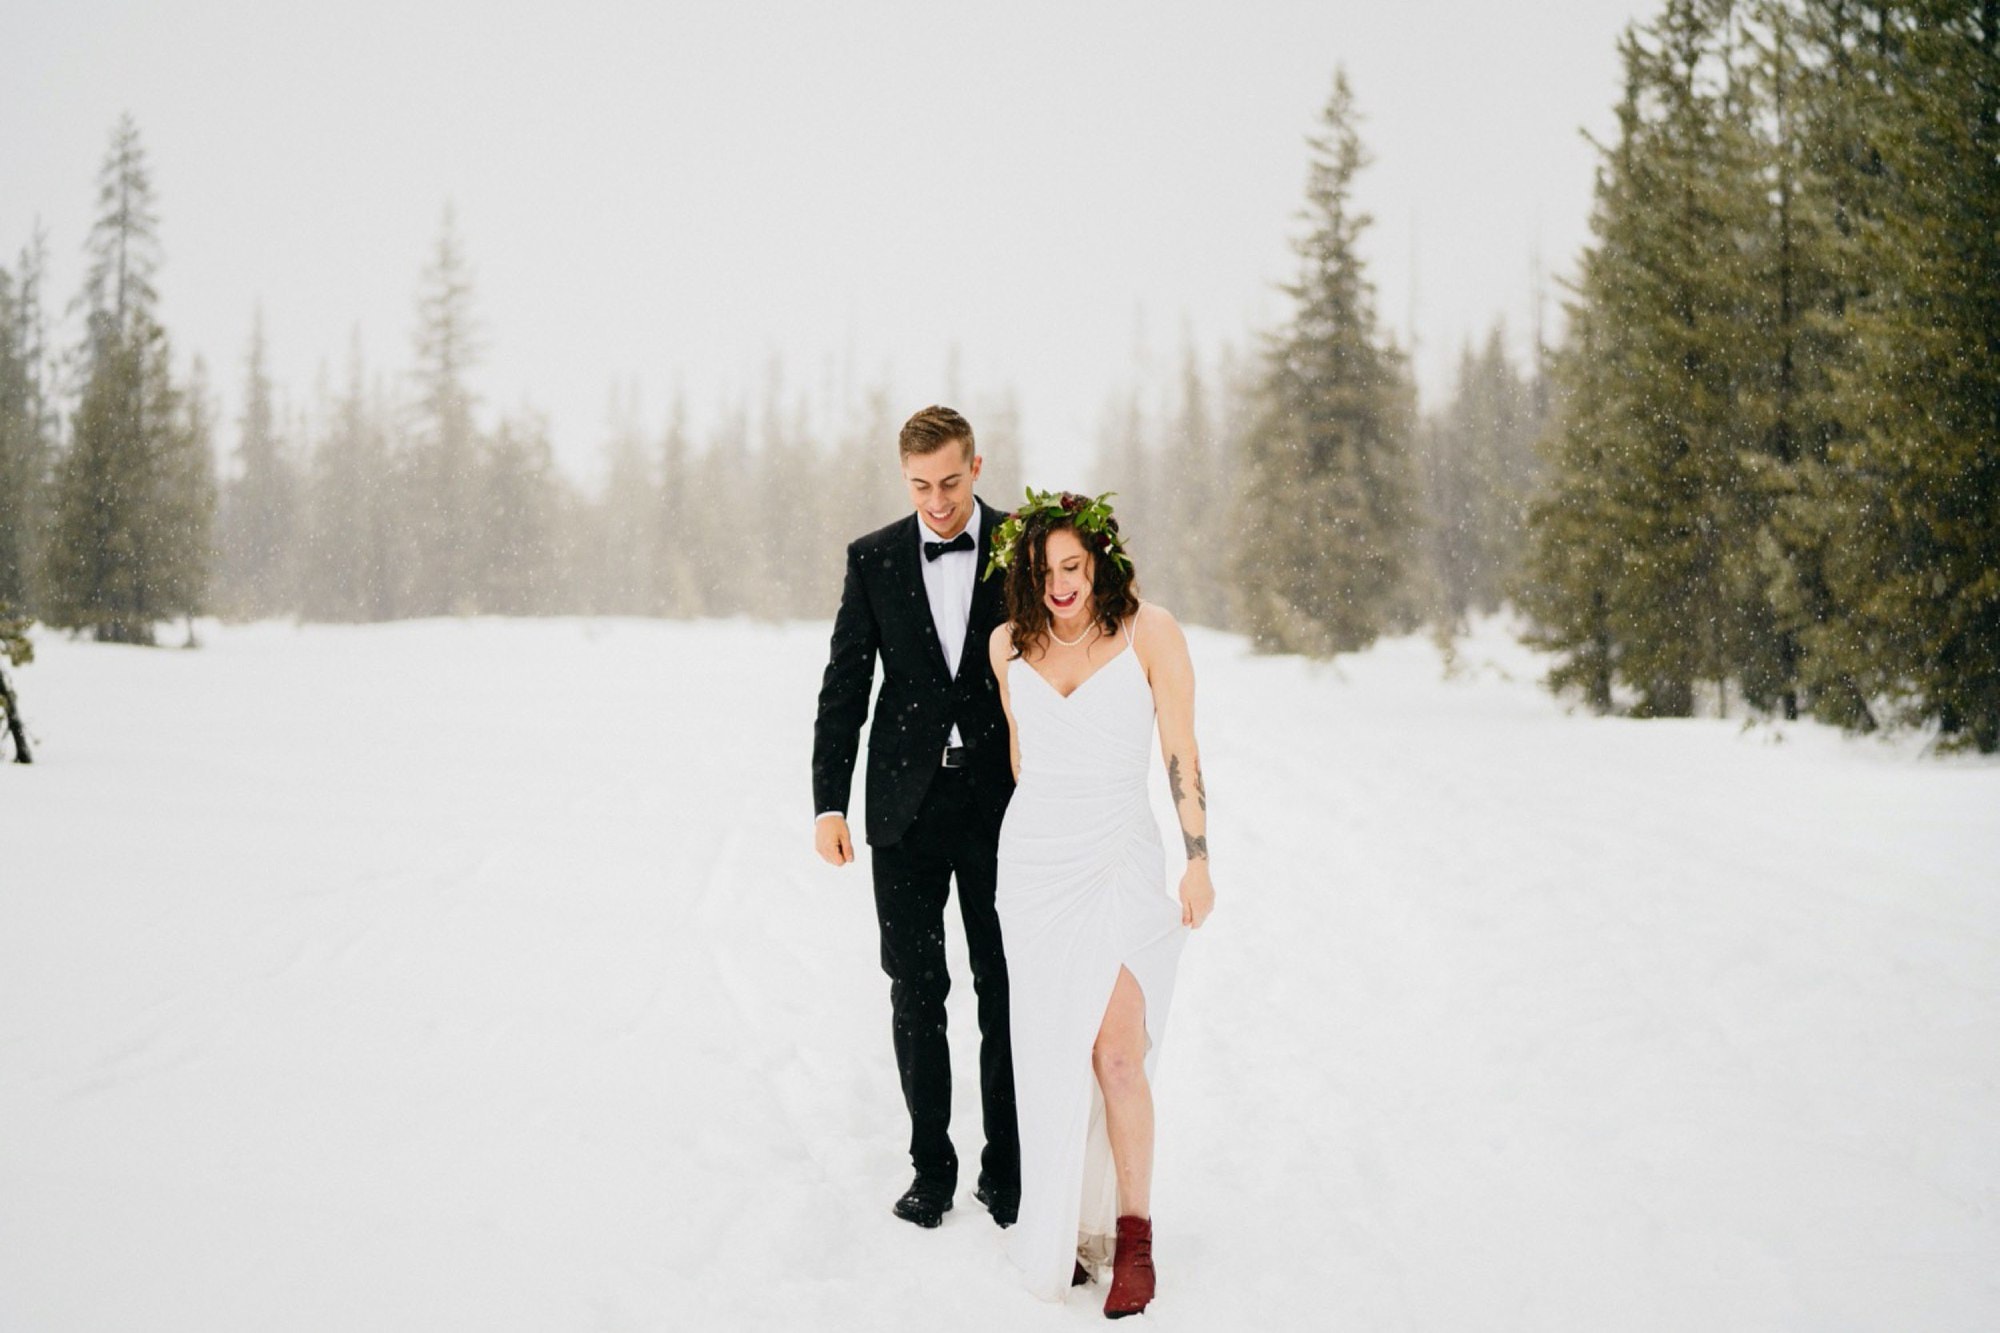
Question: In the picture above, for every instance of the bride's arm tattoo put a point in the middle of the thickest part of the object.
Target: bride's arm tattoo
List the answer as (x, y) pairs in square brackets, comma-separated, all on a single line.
[(1197, 843), (1172, 675)]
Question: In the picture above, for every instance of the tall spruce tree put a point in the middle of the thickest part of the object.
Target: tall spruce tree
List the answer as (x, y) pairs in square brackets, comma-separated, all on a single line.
[(1823, 176), (1327, 503), (1914, 579), (671, 528), (1651, 465), (1574, 556), (1477, 478), (184, 554), (1126, 467), (348, 546), (1786, 398), (996, 426), (27, 428), (260, 505), (441, 456), (518, 574), (1194, 502), (130, 539), (723, 549), (18, 483), (626, 557)]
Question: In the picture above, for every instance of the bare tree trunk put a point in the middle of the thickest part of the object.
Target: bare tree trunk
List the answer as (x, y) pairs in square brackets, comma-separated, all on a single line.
[(10, 706)]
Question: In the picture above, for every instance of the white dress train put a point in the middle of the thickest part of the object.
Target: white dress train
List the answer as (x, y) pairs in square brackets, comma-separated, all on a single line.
[(1081, 892)]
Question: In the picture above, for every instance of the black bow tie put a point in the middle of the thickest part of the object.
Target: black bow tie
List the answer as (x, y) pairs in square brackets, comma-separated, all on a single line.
[(962, 542)]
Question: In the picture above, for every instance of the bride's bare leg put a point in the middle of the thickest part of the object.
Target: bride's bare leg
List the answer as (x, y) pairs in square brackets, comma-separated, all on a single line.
[(1119, 1058)]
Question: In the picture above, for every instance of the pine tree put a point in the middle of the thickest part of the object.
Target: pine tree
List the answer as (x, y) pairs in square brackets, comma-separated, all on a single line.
[(626, 559), (130, 540), (722, 549), (1126, 468), (1574, 557), (782, 521), (349, 545), (102, 484), (1194, 507), (1479, 475), (1916, 574), (260, 506), (1785, 397), (518, 575), (1455, 471), (134, 506), (996, 424), (124, 243), (1238, 388), (1673, 593), (440, 461), (20, 451), (1327, 506), (1510, 413), (182, 559), (108, 485), (672, 559), (27, 428)]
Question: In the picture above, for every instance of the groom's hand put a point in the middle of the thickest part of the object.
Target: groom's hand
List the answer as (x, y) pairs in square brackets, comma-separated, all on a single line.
[(830, 836)]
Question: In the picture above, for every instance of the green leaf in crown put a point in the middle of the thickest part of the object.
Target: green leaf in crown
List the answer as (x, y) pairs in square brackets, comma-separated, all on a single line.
[(1091, 517)]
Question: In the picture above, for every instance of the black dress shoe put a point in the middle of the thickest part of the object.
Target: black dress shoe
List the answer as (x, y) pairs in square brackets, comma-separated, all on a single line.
[(925, 1202), (1004, 1204)]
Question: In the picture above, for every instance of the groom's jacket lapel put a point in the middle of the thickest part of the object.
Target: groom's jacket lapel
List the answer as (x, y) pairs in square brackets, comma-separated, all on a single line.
[(988, 595), (904, 560)]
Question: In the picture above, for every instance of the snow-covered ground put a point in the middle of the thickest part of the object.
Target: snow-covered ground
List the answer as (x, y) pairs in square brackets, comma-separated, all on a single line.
[(479, 975)]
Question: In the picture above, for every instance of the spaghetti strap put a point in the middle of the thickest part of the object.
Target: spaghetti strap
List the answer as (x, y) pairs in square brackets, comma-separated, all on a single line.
[(1128, 628)]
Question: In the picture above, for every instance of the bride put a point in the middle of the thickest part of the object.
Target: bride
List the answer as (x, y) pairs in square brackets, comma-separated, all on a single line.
[(1091, 937)]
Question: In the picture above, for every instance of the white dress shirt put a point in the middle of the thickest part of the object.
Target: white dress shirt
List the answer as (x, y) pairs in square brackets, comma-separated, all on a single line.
[(948, 584)]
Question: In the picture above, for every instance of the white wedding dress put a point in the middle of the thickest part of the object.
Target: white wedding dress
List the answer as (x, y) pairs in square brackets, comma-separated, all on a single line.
[(1082, 890)]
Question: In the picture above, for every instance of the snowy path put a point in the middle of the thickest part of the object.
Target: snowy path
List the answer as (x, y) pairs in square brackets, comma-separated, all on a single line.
[(478, 975)]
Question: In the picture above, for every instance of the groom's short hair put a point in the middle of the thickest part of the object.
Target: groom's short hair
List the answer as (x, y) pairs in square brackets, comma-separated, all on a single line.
[(932, 429)]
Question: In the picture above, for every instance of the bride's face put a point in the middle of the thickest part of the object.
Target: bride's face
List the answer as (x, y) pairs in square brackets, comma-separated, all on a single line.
[(1071, 569)]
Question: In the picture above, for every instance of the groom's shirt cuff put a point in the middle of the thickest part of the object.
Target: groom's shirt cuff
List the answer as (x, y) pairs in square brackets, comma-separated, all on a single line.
[(824, 813)]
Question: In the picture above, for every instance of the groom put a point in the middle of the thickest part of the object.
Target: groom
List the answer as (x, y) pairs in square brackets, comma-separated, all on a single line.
[(939, 777)]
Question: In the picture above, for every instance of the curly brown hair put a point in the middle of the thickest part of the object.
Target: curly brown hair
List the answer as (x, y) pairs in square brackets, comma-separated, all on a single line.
[(1114, 589)]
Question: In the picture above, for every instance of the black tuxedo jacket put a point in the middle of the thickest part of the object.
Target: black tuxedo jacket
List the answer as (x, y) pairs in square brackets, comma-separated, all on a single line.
[(885, 611)]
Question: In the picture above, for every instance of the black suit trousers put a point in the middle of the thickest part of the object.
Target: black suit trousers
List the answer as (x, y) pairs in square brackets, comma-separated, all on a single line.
[(950, 837)]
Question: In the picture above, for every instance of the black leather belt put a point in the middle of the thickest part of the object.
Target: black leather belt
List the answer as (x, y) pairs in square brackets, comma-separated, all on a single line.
[(954, 756)]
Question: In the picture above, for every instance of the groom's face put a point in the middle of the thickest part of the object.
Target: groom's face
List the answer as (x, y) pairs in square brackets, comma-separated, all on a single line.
[(941, 486)]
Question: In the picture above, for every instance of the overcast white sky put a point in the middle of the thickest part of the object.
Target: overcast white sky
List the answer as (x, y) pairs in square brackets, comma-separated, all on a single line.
[(675, 193)]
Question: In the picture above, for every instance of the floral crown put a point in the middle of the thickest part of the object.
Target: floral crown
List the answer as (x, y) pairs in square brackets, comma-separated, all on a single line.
[(1092, 519)]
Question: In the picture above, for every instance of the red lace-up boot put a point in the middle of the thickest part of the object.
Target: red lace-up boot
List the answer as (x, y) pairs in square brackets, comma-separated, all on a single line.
[(1131, 1269)]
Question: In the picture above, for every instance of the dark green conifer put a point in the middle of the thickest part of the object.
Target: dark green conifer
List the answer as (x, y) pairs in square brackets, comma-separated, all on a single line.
[(1326, 509), (1913, 578)]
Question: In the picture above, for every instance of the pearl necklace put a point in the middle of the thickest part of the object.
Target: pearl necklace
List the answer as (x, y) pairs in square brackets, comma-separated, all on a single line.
[(1071, 643)]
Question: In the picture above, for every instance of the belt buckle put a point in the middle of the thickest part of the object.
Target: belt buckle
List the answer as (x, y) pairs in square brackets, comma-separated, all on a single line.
[(950, 751)]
